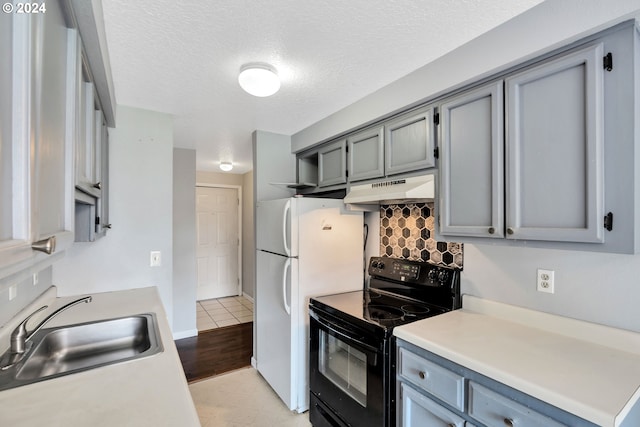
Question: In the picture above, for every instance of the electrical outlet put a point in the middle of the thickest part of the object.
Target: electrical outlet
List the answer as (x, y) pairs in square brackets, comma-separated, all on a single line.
[(545, 281), (13, 292), (156, 259)]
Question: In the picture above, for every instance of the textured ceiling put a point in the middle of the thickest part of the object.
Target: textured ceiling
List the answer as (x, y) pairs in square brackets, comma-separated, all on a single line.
[(183, 57)]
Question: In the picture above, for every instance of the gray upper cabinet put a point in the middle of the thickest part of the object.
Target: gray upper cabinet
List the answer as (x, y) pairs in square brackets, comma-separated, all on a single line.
[(332, 164), (552, 159), (36, 193), (366, 154), (409, 142), (471, 163), (554, 153)]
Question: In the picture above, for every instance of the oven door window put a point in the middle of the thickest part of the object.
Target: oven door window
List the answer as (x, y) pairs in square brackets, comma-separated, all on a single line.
[(345, 366)]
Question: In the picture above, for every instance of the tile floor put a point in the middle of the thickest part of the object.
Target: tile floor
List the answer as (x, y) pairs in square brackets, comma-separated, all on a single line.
[(242, 398), (216, 313)]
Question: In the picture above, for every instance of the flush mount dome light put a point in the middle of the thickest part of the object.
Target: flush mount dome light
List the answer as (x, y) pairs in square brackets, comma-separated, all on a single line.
[(226, 166), (259, 79)]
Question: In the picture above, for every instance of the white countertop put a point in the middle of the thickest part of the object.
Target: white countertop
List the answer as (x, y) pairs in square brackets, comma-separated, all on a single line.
[(589, 370), (150, 391)]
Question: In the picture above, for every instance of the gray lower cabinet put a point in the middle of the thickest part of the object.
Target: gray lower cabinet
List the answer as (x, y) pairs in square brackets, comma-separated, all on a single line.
[(552, 158), (366, 154), (332, 164), (419, 410), (433, 391), (410, 142)]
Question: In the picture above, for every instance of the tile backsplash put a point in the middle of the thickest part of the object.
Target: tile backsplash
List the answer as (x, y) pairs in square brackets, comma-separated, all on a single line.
[(407, 231)]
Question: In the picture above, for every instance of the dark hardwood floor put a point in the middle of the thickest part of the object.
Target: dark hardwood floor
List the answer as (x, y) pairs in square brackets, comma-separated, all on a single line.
[(216, 351)]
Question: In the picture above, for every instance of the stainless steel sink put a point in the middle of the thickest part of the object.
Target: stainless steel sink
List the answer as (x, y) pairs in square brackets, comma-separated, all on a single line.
[(75, 348)]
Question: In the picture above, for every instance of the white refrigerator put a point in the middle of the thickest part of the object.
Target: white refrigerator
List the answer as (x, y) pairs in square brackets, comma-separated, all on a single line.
[(305, 247)]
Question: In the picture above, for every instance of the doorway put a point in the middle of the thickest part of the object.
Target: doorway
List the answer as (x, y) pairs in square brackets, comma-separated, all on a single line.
[(218, 242)]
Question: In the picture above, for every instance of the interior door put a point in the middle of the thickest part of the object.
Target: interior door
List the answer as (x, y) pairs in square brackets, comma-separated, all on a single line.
[(217, 242), (274, 324)]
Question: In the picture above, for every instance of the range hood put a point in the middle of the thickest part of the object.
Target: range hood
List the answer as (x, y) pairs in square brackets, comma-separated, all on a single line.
[(402, 190)]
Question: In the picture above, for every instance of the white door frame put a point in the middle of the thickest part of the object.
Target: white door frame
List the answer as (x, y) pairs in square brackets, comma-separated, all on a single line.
[(239, 189)]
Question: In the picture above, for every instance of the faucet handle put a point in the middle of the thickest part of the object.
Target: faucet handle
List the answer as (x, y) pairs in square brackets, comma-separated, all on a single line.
[(19, 334)]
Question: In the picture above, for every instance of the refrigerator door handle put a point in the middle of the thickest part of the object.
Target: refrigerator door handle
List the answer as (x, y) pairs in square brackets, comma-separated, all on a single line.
[(285, 214), (287, 266)]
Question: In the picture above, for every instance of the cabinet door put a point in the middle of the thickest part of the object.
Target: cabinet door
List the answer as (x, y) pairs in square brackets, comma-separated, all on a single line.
[(409, 142), (366, 154), (86, 146), (555, 150), (417, 410), (51, 186), (15, 81), (471, 197), (102, 221), (332, 164)]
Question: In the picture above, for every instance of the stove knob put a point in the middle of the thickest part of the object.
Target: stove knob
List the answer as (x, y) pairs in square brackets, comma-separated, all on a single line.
[(443, 276), (380, 265), (432, 275)]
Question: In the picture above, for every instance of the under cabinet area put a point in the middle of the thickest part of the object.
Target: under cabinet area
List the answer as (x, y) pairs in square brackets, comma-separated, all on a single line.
[(432, 391)]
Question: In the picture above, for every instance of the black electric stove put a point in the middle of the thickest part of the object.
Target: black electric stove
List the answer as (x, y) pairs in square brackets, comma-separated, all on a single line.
[(352, 356)]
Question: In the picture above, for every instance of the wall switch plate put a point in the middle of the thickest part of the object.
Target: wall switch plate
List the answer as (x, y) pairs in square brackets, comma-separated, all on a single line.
[(156, 259), (544, 281), (13, 292)]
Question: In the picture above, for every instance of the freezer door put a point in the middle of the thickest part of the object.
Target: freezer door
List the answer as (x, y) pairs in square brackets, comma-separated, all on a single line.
[(275, 340), (276, 226)]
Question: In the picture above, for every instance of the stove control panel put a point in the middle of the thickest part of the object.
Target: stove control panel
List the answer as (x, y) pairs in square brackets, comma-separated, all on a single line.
[(403, 270)]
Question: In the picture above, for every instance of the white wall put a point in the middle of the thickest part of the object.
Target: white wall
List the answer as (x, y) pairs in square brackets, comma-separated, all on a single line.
[(184, 243), (248, 237), (141, 199)]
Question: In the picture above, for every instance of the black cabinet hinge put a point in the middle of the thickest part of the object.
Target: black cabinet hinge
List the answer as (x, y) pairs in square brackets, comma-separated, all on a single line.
[(436, 118), (346, 173), (608, 221), (607, 61), (436, 153), (97, 220)]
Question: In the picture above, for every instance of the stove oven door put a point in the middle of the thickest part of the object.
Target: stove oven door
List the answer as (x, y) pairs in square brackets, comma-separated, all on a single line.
[(346, 374)]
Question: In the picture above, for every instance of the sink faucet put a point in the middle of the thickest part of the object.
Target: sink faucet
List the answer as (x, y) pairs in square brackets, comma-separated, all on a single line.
[(20, 336)]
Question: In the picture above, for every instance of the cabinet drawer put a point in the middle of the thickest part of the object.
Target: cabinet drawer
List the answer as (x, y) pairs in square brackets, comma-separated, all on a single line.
[(493, 409), (419, 410), (440, 382)]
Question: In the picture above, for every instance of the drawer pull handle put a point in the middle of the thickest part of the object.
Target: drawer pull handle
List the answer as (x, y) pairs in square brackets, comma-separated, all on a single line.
[(422, 375), (508, 422)]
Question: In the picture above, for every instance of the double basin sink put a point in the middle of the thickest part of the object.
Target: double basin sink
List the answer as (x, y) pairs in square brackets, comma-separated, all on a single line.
[(64, 350)]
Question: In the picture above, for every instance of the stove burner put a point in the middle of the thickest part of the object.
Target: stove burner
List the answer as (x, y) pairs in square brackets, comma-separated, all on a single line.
[(414, 309), (384, 312)]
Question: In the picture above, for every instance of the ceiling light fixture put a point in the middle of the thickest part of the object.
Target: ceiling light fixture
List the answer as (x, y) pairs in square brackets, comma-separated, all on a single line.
[(259, 79), (226, 166)]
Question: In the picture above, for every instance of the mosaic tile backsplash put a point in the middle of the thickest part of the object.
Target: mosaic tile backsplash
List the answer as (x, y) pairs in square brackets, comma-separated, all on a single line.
[(406, 231)]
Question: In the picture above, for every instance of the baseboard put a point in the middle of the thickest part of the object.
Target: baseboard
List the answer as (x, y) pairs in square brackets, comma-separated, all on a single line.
[(250, 298), (185, 334), (254, 363)]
